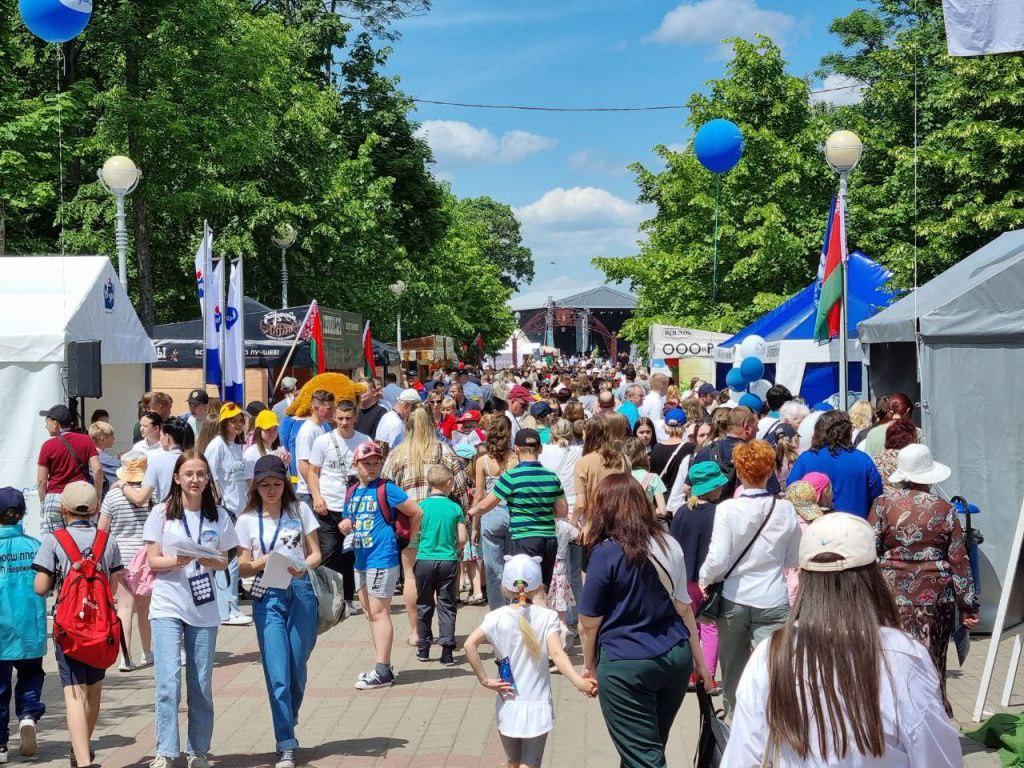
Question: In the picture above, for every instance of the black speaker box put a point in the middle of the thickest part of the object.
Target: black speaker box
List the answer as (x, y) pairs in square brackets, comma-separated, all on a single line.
[(85, 374)]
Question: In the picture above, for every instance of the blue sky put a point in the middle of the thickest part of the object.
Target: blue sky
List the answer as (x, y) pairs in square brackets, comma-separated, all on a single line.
[(565, 173)]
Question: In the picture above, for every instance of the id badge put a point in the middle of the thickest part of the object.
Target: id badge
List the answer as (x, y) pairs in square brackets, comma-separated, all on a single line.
[(258, 590), (202, 589)]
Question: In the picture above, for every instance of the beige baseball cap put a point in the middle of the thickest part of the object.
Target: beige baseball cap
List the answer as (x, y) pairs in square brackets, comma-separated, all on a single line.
[(849, 537), (79, 498)]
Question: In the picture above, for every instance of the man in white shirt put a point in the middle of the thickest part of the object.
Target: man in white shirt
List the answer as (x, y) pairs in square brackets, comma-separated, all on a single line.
[(159, 467), (321, 405), (654, 404), (391, 428)]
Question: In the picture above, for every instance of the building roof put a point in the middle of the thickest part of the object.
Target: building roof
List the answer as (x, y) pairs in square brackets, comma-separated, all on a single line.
[(596, 297)]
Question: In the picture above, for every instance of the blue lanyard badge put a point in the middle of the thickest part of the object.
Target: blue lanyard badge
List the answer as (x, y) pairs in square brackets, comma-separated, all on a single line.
[(273, 541), (184, 522)]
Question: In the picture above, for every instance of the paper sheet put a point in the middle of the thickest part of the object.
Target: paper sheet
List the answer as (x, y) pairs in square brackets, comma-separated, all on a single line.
[(183, 547), (276, 575)]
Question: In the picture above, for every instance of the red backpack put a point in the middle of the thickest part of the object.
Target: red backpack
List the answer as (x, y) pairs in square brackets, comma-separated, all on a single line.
[(397, 520), (85, 625)]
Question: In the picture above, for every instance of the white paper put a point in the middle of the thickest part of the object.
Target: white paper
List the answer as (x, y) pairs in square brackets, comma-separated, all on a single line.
[(183, 547), (275, 574)]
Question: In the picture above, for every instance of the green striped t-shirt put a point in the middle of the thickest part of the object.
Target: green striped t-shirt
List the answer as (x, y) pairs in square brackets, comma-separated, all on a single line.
[(530, 492)]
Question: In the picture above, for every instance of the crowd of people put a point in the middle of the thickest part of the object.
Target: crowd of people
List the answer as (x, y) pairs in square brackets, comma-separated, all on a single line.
[(798, 561)]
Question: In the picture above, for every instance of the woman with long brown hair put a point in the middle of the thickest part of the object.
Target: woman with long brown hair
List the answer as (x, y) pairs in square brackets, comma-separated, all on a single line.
[(602, 456), (636, 622), (495, 541), (841, 684)]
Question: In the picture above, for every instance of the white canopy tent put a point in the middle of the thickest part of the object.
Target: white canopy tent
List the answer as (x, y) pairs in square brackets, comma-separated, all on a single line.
[(524, 348), (49, 301)]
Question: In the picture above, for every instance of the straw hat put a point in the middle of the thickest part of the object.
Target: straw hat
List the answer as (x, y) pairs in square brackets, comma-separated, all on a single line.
[(914, 464), (133, 467)]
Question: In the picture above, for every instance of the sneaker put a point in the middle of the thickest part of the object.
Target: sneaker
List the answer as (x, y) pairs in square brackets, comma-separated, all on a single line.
[(27, 726), (446, 656), (354, 608), (161, 762), (145, 660), (285, 759), (372, 680), (197, 761), (124, 666), (3, 755), (238, 620), (423, 654)]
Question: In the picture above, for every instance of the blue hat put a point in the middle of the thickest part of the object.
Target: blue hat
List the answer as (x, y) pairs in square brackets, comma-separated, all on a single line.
[(12, 498), (751, 401), (822, 407), (540, 410), (465, 451), (675, 417)]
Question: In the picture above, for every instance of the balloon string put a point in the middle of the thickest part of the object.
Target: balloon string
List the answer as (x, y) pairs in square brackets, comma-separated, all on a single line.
[(61, 63), (714, 258)]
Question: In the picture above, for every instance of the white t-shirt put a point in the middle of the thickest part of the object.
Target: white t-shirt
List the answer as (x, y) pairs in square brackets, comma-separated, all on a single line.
[(530, 713), (308, 433), (391, 429), (294, 525), (172, 597), (228, 468), (160, 472), (146, 448), (333, 454), (562, 461)]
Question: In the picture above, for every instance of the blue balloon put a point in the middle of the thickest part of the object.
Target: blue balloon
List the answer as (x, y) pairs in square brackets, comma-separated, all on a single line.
[(719, 145), (735, 379), (56, 21), (752, 368)]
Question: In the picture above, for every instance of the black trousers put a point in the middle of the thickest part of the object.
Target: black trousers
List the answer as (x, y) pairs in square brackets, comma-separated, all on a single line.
[(334, 557), (436, 578)]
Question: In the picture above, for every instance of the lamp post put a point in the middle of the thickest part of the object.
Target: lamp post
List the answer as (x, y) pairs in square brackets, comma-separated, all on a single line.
[(119, 176), (843, 151), (284, 238), (515, 341), (398, 288)]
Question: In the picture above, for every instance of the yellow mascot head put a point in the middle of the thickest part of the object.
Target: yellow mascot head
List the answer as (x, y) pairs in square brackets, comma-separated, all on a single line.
[(338, 384)]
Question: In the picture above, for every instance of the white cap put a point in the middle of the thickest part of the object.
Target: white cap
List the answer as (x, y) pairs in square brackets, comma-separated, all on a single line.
[(838, 533), (288, 383), (914, 464), (410, 396), (521, 568)]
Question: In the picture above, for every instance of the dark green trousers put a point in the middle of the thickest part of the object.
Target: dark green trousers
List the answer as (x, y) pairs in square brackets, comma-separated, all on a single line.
[(639, 700)]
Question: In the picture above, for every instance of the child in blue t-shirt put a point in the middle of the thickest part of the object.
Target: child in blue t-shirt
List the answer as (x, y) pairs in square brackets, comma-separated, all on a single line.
[(22, 625), (377, 554)]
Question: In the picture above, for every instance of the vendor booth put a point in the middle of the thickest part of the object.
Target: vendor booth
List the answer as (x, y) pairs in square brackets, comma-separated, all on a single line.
[(793, 358), (970, 357), (683, 353), (49, 303)]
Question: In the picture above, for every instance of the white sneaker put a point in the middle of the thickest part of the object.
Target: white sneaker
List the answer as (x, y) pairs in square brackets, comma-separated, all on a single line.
[(3, 755), (197, 761), (285, 759), (145, 660), (27, 726), (238, 620), (124, 666), (161, 762), (354, 608)]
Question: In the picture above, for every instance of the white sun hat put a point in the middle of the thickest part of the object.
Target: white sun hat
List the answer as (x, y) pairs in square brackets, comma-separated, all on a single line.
[(914, 464)]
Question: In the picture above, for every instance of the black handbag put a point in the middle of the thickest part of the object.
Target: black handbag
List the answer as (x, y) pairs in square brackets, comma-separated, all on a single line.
[(714, 733), (711, 608)]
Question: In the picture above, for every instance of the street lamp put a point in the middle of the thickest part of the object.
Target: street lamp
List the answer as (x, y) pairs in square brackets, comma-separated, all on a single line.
[(284, 238), (398, 288), (843, 151), (120, 177)]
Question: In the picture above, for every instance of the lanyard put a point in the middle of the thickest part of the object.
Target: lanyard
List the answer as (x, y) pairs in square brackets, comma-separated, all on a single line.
[(184, 521), (273, 541)]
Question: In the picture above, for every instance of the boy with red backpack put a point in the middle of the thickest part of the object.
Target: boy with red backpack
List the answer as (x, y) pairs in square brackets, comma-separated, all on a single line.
[(378, 512), (86, 631)]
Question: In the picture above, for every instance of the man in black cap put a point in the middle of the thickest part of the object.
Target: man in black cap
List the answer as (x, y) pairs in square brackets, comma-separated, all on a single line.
[(198, 408), (66, 457), (707, 395)]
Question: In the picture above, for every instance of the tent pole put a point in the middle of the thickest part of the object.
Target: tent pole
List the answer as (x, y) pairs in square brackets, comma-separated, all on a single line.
[(844, 402)]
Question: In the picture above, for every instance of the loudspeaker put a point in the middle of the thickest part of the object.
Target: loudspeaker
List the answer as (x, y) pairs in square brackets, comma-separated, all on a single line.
[(85, 374)]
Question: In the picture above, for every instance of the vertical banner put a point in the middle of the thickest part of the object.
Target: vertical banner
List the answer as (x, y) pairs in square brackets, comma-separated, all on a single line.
[(234, 340), (210, 289)]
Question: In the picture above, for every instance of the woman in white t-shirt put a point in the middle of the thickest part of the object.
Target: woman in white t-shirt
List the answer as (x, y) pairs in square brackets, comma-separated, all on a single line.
[(266, 440), (276, 522), (526, 640), (228, 472), (183, 611)]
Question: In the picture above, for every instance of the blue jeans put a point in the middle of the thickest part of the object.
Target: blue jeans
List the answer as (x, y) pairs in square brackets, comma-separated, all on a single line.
[(227, 594), (575, 568), (495, 543), (28, 701), (286, 628), (200, 645)]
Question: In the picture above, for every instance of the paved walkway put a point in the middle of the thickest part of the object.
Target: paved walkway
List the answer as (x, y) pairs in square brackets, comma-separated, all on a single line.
[(435, 717)]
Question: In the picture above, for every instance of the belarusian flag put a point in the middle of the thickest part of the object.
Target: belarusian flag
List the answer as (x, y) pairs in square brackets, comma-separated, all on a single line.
[(479, 341), (313, 330), (369, 363), (828, 292)]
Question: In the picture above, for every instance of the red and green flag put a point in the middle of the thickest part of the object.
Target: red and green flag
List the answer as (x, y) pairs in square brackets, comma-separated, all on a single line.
[(479, 341), (369, 363), (313, 329), (828, 291)]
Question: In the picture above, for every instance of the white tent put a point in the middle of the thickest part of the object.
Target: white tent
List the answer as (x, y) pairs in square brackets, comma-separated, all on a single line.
[(48, 302), (524, 348)]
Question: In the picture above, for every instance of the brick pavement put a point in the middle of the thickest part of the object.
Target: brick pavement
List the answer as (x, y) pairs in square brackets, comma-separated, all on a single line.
[(435, 717)]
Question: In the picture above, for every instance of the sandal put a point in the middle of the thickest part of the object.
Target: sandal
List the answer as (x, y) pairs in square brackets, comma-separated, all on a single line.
[(479, 600)]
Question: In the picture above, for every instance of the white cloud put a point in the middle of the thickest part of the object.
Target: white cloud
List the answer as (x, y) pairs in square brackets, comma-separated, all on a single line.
[(580, 209), (456, 144), (839, 90), (677, 147), (712, 21), (591, 161)]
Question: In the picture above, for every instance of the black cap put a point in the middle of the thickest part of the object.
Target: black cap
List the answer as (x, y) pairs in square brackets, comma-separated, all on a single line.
[(59, 413), (269, 466), (12, 499), (255, 408), (707, 389), (527, 438), (198, 397)]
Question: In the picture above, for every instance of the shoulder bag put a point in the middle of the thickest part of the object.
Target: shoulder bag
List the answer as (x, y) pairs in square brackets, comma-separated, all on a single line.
[(711, 608)]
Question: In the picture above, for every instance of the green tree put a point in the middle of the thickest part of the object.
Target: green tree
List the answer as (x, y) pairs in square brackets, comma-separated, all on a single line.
[(503, 239)]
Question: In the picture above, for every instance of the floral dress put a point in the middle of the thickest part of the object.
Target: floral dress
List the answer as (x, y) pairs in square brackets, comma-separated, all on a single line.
[(923, 556), (561, 598)]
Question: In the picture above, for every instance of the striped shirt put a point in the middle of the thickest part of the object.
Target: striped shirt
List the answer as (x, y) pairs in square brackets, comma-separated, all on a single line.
[(530, 492), (126, 522)]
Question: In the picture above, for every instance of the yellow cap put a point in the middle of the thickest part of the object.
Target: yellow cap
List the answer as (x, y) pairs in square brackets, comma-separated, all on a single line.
[(266, 420), (229, 411)]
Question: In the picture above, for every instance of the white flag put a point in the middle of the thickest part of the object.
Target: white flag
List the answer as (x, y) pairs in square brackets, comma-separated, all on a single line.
[(976, 27), (234, 340), (210, 289)]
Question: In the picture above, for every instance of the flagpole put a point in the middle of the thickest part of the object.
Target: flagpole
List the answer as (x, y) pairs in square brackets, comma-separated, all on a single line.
[(241, 315), (207, 279), (844, 366), (295, 343)]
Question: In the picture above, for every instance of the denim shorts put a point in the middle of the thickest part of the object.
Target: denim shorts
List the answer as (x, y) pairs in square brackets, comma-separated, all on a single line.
[(74, 672)]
